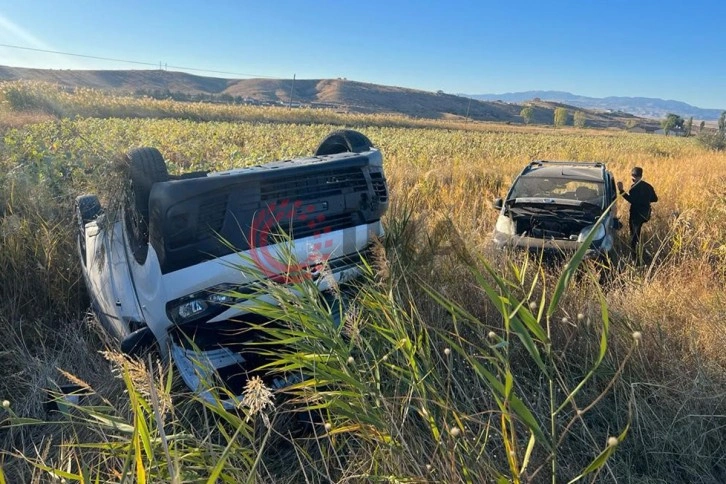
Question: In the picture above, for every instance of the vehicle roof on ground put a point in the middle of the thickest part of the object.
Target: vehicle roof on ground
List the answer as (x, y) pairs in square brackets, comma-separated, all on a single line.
[(574, 170)]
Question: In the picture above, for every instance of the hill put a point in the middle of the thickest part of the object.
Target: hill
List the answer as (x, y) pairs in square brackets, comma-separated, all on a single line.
[(341, 94), (126, 80), (364, 97), (637, 106)]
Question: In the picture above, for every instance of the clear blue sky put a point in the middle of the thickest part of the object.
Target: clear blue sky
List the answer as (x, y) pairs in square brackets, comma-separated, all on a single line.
[(667, 49)]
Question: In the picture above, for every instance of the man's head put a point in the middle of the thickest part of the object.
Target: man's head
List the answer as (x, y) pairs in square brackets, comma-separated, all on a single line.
[(636, 173)]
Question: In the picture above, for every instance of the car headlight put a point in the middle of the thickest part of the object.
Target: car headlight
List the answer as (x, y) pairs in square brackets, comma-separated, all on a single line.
[(505, 225), (206, 304), (599, 233)]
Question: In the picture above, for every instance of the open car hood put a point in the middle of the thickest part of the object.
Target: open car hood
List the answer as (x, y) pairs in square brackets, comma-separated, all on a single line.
[(550, 201), (553, 207), (551, 218)]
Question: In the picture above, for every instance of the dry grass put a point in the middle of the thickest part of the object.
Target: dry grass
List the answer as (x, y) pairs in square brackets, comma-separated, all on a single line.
[(11, 119), (442, 182)]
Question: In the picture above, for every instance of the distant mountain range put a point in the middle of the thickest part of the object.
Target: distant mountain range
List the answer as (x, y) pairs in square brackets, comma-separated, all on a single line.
[(638, 106)]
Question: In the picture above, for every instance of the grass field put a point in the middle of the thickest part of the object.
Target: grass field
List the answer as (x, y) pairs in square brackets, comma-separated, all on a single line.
[(457, 365)]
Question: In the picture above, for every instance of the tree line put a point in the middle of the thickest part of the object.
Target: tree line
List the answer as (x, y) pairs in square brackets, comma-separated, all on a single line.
[(561, 117), (672, 123)]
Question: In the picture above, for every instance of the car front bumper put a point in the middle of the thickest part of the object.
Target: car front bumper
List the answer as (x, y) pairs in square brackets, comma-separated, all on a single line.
[(553, 247), (216, 360)]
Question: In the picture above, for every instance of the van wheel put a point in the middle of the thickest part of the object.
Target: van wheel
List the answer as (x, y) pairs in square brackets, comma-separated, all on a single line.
[(343, 141), (88, 208), (146, 167)]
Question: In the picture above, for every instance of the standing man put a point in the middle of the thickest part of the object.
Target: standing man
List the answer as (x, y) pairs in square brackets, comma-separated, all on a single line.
[(640, 196)]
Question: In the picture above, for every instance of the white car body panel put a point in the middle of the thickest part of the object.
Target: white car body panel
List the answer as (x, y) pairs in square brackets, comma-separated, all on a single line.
[(139, 292), (108, 278)]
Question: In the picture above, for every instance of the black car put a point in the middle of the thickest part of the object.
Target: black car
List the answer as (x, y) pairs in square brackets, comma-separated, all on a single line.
[(553, 206)]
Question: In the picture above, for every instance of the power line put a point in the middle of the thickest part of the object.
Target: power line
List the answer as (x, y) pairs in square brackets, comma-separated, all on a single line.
[(134, 62)]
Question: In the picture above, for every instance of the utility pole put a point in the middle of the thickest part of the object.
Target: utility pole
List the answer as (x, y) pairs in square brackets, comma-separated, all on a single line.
[(467, 111), (292, 90)]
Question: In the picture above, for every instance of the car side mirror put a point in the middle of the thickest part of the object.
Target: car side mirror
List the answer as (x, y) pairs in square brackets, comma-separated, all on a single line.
[(497, 203)]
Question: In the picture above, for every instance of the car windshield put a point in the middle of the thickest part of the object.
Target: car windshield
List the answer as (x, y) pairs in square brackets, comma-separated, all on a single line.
[(558, 188)]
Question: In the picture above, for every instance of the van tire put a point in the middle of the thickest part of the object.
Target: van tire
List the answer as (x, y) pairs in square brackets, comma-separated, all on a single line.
[(88, 208), (342, 141), (146, 167)]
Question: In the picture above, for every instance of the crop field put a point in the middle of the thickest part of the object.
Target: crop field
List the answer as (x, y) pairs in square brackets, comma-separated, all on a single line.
[(459, 363)]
